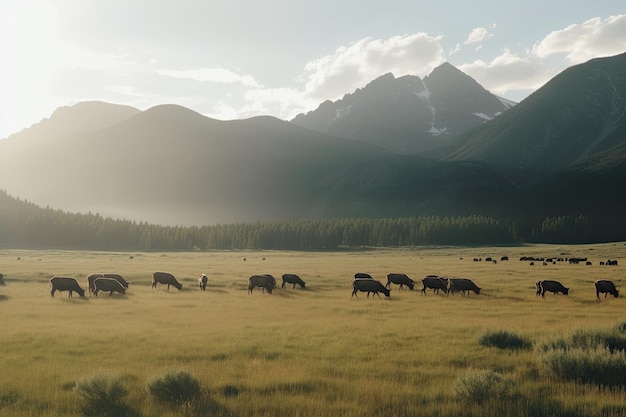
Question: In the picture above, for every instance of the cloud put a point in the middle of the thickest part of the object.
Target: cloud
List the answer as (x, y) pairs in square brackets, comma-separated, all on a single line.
[(354, 65), (509, 72), (581, 42), (477, 35), (212, 75)]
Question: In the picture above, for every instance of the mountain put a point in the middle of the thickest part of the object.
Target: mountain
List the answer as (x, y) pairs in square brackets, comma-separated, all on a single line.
[(578, 115), (171, 165), (82, 117), (561, 152), (408, 114)]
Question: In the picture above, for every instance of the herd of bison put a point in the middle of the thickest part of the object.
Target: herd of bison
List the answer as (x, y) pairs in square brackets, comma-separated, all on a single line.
[(363, 282)]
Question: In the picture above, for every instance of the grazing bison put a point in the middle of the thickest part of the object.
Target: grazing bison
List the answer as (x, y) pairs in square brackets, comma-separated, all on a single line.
[(553, 287), (118, 278), (607, 287), (263, 281), (202, 281), (400, 279), (362, 275), (272, 279), (434, 282), (91, 278), (65, 284), (109, 285), (462, 284), (369, 286), (292, 279), (165, 278)]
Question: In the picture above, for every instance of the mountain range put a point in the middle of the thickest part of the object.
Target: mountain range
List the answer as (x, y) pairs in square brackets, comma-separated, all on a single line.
[(396, 147)]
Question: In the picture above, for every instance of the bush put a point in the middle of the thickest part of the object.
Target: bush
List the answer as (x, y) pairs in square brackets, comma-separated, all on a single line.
[(597, 356), (479, 385), (505, 340), (175, 388), (597, 365), (103, 395)]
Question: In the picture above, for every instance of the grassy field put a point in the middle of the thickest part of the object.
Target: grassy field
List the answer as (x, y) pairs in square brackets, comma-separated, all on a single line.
[(311, 352)]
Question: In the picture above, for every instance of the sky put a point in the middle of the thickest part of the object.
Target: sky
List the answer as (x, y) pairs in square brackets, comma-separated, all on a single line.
[(234, 59)]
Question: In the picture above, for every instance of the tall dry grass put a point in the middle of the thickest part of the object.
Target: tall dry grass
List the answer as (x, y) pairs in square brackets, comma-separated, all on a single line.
[(312, 352)]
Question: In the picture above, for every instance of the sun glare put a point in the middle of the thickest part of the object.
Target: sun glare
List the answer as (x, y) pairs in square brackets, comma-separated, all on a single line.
[(31, 52)]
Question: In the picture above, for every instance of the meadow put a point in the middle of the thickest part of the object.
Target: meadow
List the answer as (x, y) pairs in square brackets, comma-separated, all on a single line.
[(306, 352)]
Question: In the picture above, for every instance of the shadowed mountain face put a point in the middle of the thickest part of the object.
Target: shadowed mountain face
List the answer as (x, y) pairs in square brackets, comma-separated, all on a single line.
[(577, 115), (407, 114), (560, 152)]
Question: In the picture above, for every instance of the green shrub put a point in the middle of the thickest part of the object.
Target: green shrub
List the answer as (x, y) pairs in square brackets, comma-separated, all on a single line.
[(478, 385), (597, 356), (597, 365), (505, 340), (103, 395), (175, 388)]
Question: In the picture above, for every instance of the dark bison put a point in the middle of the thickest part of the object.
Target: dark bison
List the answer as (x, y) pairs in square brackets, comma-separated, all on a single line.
[(400, 279), (263, 281), (369, 286), (91, 278), (202, 281), (272, 279), (552, 286), (165, 278), (362, 275), (462, 284), (65, 284), (607, 287), (292, 279), (109, 285), (434, 282)]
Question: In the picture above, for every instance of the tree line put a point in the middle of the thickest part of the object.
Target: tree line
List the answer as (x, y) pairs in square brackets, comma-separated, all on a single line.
[(26, 225)]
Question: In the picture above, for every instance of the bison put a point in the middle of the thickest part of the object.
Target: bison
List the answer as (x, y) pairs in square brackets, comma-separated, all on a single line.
[(272, 279), (434, 282), (400, 279), (369, 286), (91, 278), (553, 287), (292, 279), (263, 281), (607, 287), (202, 281), (109, 285), (165, 278), (462, 284), (65, 284)]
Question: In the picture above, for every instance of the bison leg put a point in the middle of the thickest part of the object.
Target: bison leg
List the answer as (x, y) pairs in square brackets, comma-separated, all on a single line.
[(52, 292)]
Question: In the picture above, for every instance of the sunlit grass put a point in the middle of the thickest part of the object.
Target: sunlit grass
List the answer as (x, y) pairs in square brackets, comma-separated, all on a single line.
[(306, 352)]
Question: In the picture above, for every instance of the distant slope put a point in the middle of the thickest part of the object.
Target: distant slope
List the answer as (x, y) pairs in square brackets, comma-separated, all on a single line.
[(578, 114), (172, 165), (82, 117), (406, 114)]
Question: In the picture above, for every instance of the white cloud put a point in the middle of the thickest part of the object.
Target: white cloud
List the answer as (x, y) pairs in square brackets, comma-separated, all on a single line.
[(477, 35), (509, 72), (213, 75), (581, 42), (353, 66)]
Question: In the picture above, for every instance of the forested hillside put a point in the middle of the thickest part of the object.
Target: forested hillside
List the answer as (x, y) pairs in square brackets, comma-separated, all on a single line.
[(25, 225)]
